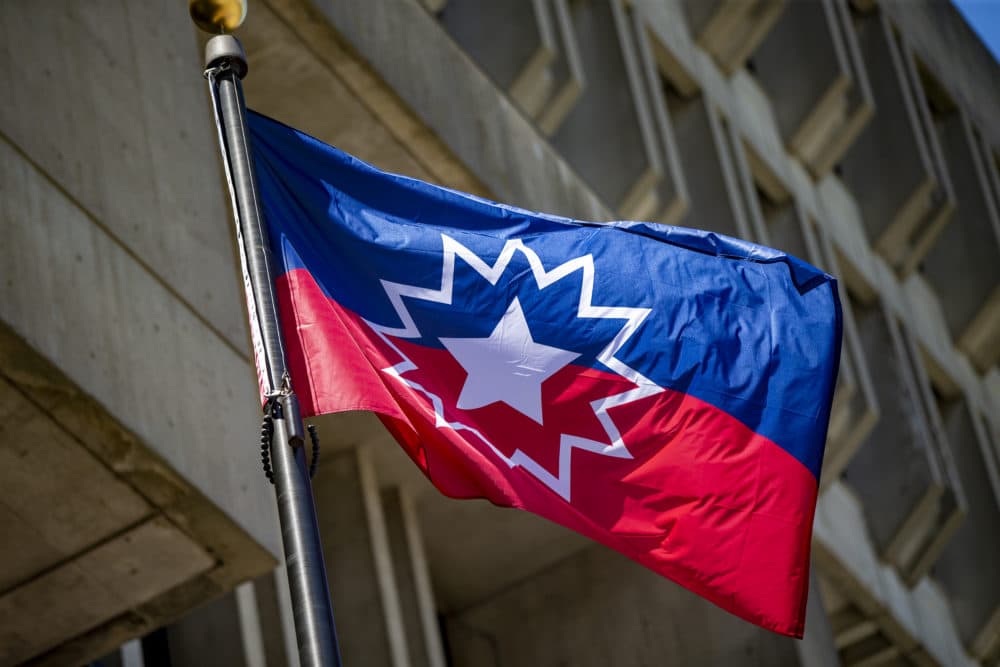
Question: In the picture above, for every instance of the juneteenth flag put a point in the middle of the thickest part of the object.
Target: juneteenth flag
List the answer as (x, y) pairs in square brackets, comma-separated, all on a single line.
[(661, 390)]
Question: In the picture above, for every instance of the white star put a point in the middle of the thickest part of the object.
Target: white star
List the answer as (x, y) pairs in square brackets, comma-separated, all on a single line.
[(508, 366), (561, 481)]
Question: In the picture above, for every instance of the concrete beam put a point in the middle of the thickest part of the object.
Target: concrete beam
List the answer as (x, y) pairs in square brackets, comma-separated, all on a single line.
[(116, 310), (104, 582), (535, 176), (535, 57), (731, 30), (98, 483), (39, 464), (110, 325)]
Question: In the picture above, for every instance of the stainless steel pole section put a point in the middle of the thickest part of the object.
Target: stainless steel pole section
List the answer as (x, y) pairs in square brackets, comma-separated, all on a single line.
[(316, 635)]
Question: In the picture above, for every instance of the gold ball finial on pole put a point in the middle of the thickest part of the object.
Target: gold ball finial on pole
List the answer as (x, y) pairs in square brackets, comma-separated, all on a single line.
[(218, 16)]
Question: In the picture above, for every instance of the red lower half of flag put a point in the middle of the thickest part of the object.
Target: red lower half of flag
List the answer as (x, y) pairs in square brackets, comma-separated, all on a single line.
[(698, 497)]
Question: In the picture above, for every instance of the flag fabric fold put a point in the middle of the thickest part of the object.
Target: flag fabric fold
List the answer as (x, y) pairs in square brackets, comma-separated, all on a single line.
[(663, 391)]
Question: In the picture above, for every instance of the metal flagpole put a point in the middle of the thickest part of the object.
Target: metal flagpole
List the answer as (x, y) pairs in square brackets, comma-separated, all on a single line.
[(225, 66)]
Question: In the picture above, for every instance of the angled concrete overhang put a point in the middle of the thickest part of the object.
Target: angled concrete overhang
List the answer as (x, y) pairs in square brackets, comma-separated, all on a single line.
[(105, 540)]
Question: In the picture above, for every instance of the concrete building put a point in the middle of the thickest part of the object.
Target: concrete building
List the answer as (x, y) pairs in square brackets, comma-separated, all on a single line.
[(136, 522)]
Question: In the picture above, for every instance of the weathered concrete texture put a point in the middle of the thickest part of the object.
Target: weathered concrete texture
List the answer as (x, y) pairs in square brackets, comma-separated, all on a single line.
[(89, 305), (954, 52), (892, 137), (712, 186), (122, 573), (290, 83), (117, 268), (90, 502), (39, 464), (967, 568), (796, 84), (502, 37), (882, 619), (106, 99), (966, 242), (209, 635), (371, 121), (537, 178), (821, 95), (908, 495), (602, 141), (598, 608)]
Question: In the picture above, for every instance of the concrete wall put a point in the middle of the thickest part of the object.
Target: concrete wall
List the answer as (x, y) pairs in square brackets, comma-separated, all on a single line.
[(116, 222)]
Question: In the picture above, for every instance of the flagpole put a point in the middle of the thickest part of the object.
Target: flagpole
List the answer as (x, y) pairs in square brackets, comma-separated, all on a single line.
[(225, 66)]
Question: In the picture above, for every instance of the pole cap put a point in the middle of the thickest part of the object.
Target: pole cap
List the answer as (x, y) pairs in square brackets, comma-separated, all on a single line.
[(226, 48), (217, 16)]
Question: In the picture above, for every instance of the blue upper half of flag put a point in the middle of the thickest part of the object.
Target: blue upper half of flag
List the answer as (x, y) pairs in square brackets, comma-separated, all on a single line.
[(748, 329)]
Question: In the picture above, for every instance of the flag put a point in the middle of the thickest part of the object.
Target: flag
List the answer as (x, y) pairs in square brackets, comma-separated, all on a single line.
[(661, 390)]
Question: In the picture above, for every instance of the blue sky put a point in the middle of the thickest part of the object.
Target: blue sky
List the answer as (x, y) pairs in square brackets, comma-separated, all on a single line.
[(984, 17)]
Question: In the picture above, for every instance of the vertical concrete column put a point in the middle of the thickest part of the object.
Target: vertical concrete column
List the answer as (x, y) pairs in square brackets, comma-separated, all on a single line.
[(270, 619), (817, 648), (130, 655), (287, 619), (250, 627), (413, 579), (358, 561)]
